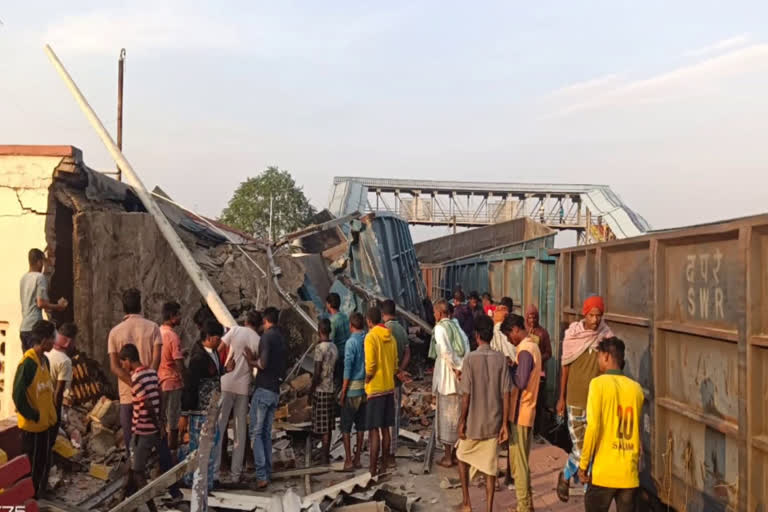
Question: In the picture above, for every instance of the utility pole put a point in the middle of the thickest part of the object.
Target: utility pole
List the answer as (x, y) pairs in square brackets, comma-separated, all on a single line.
[(120, 66)]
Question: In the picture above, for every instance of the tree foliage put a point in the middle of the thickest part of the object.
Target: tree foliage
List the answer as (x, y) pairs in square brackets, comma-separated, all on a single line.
[(248, 210)]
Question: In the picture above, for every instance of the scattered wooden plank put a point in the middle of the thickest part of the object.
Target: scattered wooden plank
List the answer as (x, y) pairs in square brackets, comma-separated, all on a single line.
[(159, 485)]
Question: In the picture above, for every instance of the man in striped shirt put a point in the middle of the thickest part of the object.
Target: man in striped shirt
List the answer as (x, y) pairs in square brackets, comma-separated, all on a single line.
[(146, 425)]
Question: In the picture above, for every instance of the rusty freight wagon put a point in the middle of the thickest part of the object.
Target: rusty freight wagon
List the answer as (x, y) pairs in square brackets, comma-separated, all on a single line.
[(692, 306)]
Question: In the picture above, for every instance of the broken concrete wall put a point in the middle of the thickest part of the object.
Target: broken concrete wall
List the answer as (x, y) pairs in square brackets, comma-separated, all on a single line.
[(24, 213), (115, 250)]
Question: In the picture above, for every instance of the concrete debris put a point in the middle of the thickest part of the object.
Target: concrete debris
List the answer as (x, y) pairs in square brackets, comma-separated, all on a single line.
[(63, 446), (394, 500), (54, 477), (99, 471), (106, 412), (100, 443), (411, 436), (301, 383), (418, 404), (449, 483), (299, 410)]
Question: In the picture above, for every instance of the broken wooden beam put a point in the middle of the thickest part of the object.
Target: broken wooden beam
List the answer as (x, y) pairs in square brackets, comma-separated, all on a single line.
[(157, 486)]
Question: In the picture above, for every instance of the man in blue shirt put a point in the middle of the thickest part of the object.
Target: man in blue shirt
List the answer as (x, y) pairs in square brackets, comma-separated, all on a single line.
[(352, 398), (339, 334)]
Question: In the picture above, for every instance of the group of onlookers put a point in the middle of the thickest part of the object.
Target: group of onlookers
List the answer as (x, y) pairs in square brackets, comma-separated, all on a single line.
[(488, 378), (497, 390)]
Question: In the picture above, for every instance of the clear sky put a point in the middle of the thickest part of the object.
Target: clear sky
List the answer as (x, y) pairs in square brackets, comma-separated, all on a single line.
[(663, 101)]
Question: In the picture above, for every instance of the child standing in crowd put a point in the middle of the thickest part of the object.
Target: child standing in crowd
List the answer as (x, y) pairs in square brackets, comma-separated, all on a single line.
[(146, 424)]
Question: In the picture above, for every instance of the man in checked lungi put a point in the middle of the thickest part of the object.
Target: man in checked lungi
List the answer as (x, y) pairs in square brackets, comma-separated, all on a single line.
[(322, 391), (448, 348)]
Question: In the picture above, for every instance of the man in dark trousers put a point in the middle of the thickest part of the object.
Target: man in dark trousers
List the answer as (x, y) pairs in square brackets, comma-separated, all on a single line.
[(33, 398), (612, 440), (271, 363)]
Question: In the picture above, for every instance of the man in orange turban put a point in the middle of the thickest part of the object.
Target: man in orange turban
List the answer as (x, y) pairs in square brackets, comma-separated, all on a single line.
[(579, 366)]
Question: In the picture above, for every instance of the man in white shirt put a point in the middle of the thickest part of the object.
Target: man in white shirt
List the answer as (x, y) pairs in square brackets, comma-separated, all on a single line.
[(235, 386), (60, 361), (34, 297), (451, 346)]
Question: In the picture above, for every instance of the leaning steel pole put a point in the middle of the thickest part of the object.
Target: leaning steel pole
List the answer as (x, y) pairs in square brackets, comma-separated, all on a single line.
[(200, 497), (185, 257)]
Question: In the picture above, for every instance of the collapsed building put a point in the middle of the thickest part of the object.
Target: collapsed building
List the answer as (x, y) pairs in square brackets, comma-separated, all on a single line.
[(100, 241)]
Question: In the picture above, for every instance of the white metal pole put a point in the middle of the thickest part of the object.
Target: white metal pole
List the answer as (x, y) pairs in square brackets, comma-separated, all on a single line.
[(187, 261)]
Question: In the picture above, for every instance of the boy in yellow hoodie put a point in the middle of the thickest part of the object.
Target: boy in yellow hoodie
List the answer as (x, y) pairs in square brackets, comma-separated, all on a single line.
[(380, 368), (33, 398)]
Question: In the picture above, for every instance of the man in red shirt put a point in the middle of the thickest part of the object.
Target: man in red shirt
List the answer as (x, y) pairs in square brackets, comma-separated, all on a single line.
[(170, 371)]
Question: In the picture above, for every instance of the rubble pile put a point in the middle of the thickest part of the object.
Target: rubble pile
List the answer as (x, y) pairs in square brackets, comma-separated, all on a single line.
[(418, 406)]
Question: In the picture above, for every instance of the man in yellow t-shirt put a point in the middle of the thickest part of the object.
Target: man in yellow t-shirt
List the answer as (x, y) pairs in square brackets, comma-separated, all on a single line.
[(612, 439)]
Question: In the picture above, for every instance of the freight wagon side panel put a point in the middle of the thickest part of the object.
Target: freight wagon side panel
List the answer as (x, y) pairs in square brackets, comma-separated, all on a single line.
[(700, 284), (692, 307)]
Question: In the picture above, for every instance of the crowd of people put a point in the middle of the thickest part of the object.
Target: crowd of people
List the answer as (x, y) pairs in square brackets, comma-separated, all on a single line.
[(488, 379), (493, 394)]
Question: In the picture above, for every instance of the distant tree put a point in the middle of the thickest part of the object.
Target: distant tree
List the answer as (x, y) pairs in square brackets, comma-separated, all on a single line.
[(248, 210)]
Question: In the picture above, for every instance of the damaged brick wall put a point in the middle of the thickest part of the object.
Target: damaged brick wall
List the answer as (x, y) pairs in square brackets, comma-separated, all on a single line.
[(116, 250)]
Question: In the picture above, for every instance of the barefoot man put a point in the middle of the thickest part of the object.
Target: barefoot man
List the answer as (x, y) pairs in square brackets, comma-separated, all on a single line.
[(448, 352), (485, 386)]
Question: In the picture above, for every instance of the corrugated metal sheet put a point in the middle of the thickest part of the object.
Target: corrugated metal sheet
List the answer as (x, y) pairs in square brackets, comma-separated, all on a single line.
[(692, 307)]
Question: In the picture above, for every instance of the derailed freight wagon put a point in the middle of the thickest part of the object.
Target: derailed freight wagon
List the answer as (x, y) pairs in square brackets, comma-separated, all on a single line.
[(692, 306)]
